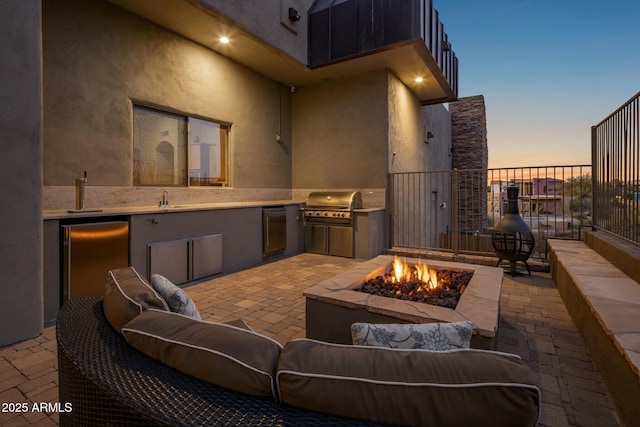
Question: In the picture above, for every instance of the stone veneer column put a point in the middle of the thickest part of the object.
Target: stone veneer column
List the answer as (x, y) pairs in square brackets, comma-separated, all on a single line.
[(21, 316), (470, 151)]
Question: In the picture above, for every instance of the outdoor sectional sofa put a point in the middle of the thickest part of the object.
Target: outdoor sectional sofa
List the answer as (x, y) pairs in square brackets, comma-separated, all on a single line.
[(125, 359)]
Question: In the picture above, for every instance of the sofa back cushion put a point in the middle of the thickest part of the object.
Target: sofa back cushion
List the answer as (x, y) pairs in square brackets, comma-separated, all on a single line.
[(409, 387), (228, 356), (127, 295)]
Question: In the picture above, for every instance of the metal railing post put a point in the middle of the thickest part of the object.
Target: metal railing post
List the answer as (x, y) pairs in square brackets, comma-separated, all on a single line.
[(594, 176), (389, 200), (455, 240)]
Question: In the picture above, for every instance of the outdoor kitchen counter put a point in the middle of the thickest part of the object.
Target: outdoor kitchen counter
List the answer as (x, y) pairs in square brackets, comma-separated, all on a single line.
[(368, 210), (231, 232), (142, 210)]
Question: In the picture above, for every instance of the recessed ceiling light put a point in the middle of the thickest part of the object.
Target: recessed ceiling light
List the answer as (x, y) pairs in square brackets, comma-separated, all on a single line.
[(224, 40), (419, 79)]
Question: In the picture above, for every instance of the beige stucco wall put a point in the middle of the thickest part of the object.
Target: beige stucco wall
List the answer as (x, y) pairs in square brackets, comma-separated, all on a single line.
[(340, 133), (410, 149), (267, 21), (346, 131), (98, 59), (21, 316)]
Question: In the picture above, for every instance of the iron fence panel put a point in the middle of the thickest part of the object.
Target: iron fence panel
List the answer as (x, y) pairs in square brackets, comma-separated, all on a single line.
[(457, 210), (615, 145)]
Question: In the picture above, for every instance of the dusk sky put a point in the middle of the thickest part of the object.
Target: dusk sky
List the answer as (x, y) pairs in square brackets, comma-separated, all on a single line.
[(548, 70)]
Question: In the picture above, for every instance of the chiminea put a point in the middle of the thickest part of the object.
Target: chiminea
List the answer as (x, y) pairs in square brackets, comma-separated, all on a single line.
[(512, 238)]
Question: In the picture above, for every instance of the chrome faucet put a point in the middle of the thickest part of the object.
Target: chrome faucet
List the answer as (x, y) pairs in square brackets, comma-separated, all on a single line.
[(81, 183), (165, 200)]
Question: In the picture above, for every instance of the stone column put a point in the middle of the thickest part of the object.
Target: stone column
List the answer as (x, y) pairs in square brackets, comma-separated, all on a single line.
[(470, 155)]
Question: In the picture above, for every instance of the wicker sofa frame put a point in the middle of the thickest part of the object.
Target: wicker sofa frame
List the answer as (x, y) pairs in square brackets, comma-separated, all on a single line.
[(107, 382)]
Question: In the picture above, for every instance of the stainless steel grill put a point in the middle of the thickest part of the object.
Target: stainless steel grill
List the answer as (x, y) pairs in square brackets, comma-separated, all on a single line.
[(328, 219), (332, 207)]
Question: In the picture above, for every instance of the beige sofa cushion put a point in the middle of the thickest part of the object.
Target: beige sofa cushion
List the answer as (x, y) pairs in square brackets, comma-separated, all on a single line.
[(127, 295), (229, 356), (409, 387)]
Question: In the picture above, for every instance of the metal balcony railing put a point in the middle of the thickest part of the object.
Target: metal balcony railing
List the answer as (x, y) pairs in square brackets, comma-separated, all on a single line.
[(615, 144), (457, 210), (346, 29)]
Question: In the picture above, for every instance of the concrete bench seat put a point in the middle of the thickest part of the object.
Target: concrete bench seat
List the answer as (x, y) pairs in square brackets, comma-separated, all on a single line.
[(604, 303)]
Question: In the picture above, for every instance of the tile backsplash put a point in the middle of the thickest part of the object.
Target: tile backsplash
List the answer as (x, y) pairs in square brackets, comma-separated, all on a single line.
[(64, 197)]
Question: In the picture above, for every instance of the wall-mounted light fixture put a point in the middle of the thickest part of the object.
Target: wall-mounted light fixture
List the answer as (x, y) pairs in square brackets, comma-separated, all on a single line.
[(427, 134), (293, 15), (224, 40)]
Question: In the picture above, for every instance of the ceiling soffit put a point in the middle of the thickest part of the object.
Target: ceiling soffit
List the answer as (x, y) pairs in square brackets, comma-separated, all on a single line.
[(190, 19)]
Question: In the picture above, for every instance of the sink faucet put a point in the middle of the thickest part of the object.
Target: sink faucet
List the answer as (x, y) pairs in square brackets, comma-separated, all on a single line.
[(165, 199), (80, 184)]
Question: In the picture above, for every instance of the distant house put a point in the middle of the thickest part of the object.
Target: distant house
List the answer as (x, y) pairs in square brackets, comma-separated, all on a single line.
[(536, 196), (546, 196)]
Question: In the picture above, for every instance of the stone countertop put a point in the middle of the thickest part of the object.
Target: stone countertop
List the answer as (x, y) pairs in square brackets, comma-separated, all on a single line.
[(141, 210), (367, 210)]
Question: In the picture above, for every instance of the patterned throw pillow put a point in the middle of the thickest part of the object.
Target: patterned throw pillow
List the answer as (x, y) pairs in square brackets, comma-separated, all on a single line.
[(177, 299), (426, 336)]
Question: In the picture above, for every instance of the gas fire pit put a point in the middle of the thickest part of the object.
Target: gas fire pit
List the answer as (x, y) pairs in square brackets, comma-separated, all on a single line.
[(418, 283), (333, 305)]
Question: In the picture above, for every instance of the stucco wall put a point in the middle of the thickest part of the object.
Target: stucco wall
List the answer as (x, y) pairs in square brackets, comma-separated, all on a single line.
[(265, 20), (408, 127), (21, 316), (98, 59), (413, 150), (340, 133)]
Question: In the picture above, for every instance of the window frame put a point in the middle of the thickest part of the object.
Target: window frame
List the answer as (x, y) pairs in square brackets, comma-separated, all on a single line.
[(184, 144)]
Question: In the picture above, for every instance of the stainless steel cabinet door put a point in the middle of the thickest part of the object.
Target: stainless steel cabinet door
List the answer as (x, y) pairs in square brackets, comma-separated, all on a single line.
[(315, 239), (206, 256), (274, 230), (341, 241), (170, 259), (90, 251)]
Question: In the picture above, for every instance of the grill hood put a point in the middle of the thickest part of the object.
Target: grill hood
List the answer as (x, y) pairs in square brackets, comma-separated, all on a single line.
[(334, 200)]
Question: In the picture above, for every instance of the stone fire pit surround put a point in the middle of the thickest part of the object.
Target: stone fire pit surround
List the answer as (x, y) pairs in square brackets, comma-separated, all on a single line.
[(332, 306)]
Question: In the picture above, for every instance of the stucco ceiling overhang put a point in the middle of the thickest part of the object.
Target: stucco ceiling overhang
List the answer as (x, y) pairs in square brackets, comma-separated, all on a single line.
[(408, 60)]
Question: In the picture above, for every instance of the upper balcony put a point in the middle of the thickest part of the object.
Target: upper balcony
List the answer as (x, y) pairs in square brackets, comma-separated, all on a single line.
[(321, 40), (405, 36)]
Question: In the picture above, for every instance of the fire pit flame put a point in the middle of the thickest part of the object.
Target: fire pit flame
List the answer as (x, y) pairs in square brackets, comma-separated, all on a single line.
[(418, 282), (403, 272)]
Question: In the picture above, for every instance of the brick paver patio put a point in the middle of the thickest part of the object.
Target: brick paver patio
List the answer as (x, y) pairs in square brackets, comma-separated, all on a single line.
[(533, 324)]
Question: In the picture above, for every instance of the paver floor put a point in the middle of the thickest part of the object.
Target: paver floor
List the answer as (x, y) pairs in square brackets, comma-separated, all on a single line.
[(534, 324)]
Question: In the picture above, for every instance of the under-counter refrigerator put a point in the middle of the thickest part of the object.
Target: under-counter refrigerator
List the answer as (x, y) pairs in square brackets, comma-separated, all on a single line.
[(89, 252)]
